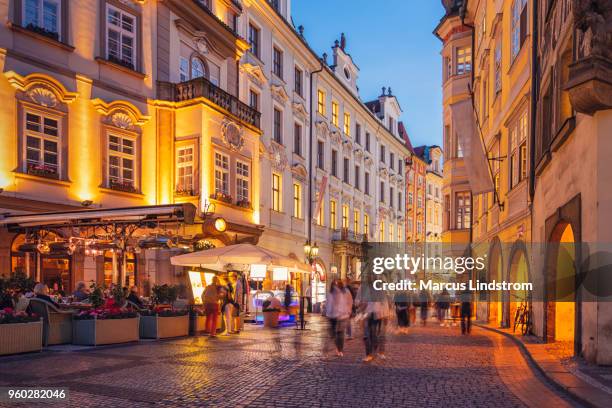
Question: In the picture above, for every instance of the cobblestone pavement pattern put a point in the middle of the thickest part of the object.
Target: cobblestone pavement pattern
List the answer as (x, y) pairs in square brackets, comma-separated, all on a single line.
[(429, 367)]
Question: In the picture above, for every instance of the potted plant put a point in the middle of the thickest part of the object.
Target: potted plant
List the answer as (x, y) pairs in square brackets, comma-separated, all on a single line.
[(105, 326), (160, 323), (20, 332), (270, 314)]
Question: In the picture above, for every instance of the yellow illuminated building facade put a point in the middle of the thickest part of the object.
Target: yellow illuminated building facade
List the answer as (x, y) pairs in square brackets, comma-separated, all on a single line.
[(125, 103), (487, 59)]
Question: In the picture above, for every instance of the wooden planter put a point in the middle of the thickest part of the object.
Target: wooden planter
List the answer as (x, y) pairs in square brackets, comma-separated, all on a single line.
[(155, 327), (96, 332), (20, 337), (271, 319)]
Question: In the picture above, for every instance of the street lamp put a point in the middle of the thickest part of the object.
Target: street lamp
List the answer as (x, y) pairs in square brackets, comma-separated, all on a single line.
[(310, 252)]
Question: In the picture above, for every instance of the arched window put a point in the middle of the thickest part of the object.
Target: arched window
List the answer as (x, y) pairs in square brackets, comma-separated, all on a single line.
[(197, 68)]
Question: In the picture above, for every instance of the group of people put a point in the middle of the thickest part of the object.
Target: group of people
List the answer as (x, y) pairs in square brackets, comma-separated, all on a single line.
[(223, 298), (374, 309), (19, 298)]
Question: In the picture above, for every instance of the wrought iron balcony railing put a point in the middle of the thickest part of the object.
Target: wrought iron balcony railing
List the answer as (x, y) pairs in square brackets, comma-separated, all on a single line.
[(344, 234), (203, 88)]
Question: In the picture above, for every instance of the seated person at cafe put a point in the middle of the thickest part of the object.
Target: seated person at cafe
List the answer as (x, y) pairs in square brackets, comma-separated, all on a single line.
[(81, 292), (42, 292), (134, 298)]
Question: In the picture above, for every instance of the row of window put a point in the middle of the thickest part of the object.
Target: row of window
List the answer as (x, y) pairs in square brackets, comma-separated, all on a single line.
[(45, 17), (254, 38), (43, 138)]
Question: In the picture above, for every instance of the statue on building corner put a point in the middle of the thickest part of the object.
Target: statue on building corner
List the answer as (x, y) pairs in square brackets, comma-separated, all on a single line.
[(593, 20)]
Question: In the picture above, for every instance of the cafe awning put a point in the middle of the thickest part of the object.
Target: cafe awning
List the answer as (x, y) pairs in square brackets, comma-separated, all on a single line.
[(184, 213), (239, 254)]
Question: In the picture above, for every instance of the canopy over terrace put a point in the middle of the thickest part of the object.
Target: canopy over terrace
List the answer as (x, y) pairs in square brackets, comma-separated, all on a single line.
[(240, 257), (119, 234)]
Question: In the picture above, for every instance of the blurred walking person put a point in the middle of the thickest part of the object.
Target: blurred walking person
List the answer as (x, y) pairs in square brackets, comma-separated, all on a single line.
[(424, 303), (211, 305), (442, 306), (339, 307), (402, 305), (374, 306), (349, 323), (466, 312)]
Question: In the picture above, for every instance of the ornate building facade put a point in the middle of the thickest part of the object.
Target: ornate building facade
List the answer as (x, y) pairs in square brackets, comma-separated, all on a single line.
[(541, 100), (416, 170), (216, 104)]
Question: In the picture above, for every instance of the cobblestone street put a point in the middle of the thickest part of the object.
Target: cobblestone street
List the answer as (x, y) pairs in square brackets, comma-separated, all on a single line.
[(429, 367)]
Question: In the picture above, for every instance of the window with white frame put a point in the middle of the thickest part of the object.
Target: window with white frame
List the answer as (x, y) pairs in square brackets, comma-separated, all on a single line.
[(183, 69), (121, 36), (221, 174), (121, 161), (463, 60), (277, 62), (278, 126), (197, 68), (42, 140), (184, 170), (463, 210), (333, 223), (410, 198), (43, 14), (254, 40), (498, 65), (297, 200), (519, 26), (242, 183), (276, 192), (518, 150)]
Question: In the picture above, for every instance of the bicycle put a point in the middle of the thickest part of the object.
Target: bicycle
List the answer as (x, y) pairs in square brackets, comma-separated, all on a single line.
[(523, 318)]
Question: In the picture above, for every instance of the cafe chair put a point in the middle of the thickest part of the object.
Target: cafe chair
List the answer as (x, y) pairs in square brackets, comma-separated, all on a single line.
[(134, 306), (57, 324)]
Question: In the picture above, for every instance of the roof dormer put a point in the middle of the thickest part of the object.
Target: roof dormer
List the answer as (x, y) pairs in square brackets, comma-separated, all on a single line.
[(343, 65)]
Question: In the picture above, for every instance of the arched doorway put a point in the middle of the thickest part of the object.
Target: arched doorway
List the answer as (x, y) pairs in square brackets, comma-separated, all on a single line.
[(518, 271), (53, 269), (561, 287), (23, 259), (495, 273)]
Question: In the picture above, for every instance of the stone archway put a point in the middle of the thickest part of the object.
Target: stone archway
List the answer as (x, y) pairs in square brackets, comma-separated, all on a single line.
[(518, 271), (562, 312)]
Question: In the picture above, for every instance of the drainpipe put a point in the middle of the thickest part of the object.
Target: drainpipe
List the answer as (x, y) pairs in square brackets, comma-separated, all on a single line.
[(534, 96), (310, 181), (310, 144)]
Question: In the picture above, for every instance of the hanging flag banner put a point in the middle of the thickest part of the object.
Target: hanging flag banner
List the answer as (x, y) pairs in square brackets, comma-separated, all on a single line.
[(321, 193), (475, 157)]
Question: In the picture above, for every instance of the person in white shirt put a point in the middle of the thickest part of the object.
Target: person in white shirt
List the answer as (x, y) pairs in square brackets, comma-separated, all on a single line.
[(338, 309)]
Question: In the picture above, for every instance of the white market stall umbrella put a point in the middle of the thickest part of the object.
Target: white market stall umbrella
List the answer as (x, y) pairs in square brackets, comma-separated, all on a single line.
[(246, 254)]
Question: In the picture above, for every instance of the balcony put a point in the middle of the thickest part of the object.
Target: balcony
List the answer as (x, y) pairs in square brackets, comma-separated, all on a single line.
[(203, 88), (345, 234)]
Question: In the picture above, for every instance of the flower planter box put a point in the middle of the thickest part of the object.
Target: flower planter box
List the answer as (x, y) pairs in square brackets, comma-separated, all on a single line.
[(156, 327), (21, 337), (94, 332), (271, 319)]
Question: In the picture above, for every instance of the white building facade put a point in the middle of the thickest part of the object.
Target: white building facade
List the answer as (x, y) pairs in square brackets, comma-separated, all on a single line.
[(351, 172)]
